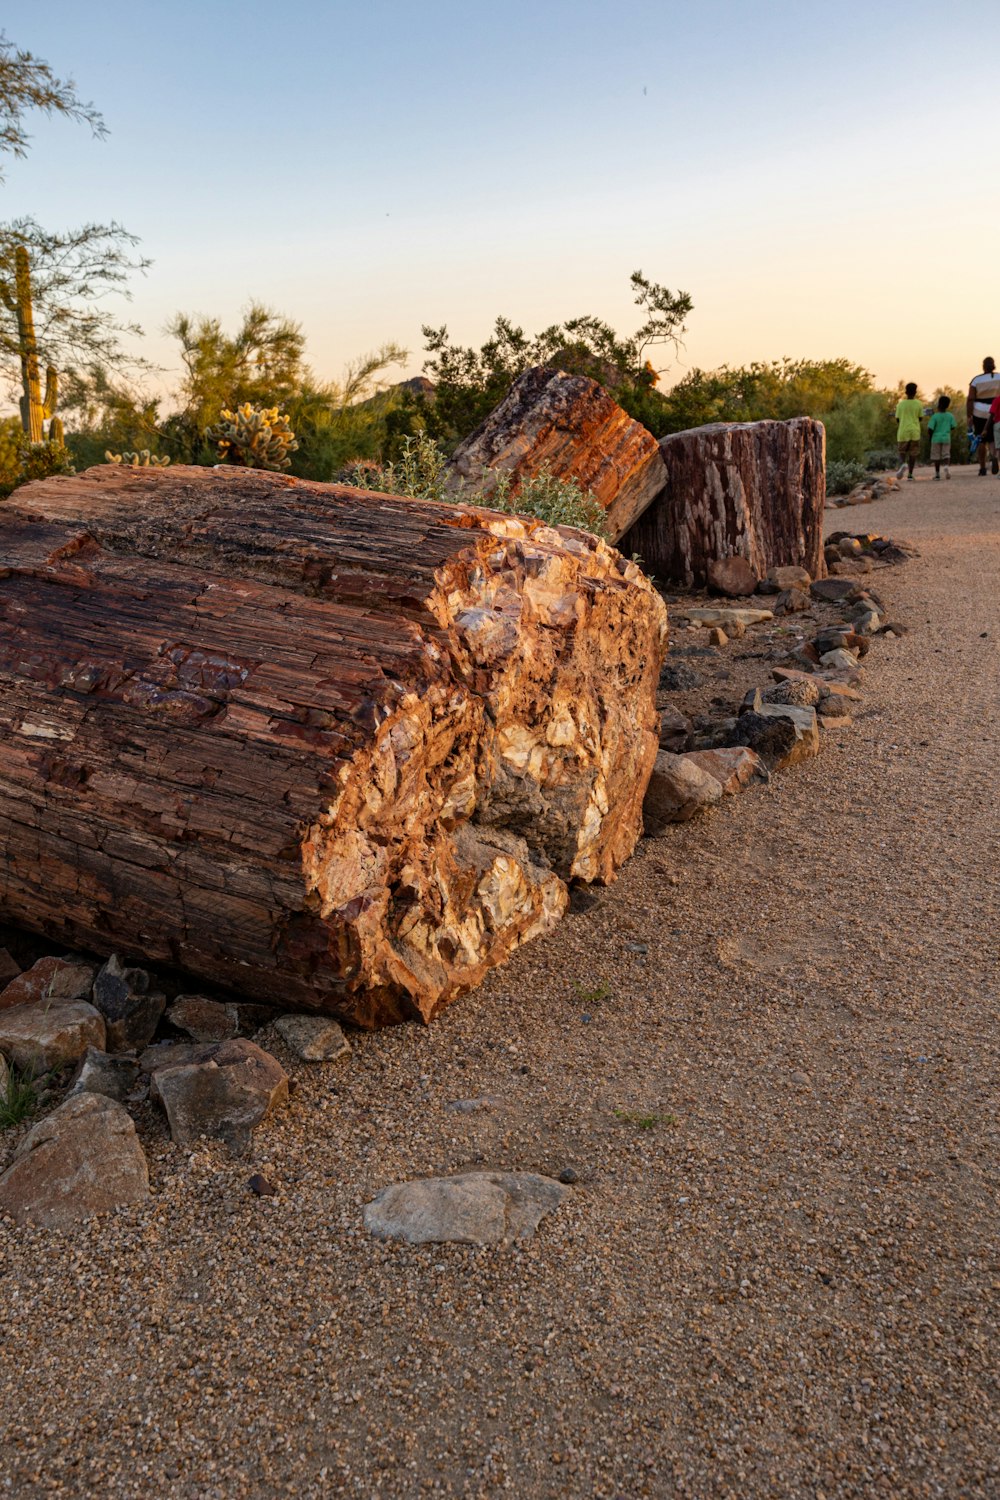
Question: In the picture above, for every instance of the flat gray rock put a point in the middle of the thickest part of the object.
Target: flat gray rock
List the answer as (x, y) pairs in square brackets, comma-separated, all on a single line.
[(475, 1208), (709, 615), (313, 1038)]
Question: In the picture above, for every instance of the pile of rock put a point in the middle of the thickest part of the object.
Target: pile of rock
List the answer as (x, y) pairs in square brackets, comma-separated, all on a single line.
[(845, 551), (107, 1037), (815, 688), (872, 487)]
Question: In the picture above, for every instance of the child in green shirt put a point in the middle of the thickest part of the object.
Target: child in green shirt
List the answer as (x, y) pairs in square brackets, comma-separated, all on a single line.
[(908, 414), (940, 427)]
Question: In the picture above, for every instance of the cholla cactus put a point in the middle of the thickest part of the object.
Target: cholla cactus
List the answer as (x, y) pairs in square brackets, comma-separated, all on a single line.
[(143, 460), (258, 437)]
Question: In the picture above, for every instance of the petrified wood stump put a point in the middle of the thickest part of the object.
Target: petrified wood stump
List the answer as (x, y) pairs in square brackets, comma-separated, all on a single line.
[(749, 489), (570, 426), (335, 750)]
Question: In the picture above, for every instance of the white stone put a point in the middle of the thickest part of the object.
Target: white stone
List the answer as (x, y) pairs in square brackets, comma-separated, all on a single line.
[(475, 1208)]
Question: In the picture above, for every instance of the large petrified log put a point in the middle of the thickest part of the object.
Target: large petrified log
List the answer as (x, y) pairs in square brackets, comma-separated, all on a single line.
[(570, 426), (334, 749), (749, 489)]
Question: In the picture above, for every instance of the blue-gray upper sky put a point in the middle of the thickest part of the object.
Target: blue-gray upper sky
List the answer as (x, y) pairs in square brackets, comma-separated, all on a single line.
[(818, 176)]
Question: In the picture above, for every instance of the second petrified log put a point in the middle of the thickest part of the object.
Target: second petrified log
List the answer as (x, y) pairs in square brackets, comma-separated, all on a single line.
[(749, 489), (569, 426), (338, 751)]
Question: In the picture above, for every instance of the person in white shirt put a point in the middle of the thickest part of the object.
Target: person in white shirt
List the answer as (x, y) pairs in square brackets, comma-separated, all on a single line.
[(983, 391)]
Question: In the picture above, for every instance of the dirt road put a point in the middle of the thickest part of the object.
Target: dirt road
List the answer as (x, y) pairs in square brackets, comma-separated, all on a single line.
[(778, 1272)]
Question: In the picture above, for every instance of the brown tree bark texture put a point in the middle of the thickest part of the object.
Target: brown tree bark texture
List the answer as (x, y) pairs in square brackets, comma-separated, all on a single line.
[(334, 750), (570, 426), (751, 489)]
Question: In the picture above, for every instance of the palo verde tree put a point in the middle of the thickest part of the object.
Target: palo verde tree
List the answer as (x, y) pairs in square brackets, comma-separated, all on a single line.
[(263, 365), (27, 83), (53, 285), (470, 382)]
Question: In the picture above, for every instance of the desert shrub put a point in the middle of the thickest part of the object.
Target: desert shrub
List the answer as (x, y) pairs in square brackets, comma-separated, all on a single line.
[(469, 382), (34, 461), (842, 396), (418, 473), (878, 460), (842, 474), (557, 502), (421, 469), (10, 437), (857, 424)]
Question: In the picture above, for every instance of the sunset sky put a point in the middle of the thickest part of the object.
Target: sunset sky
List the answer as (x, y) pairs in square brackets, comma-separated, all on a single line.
[(818, 176)]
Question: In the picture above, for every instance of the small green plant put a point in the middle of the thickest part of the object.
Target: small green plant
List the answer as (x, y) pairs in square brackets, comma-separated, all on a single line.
[(843, 474), (592, 995), (644, 1121), (421, 471), (557, 502), (418, 473), (142, 460), (256, 437), (19, 1098)]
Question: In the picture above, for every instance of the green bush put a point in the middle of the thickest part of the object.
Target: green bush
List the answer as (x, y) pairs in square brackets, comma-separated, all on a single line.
[(557, 502), (421, 469), (34, 461), (843, 474), (842, 396), (878, 460), (10, 438)]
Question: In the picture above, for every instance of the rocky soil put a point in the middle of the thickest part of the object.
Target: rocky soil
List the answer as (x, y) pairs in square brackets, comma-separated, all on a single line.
[(763, 1067)]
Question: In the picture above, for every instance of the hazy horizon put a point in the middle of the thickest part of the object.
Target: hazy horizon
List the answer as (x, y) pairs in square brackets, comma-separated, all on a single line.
[(803, 176)]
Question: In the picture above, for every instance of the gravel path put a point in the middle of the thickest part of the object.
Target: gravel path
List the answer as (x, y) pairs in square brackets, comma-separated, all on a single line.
[(777, 1274)]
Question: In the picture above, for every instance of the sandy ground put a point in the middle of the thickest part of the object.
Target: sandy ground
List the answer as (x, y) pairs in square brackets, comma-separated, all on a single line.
[(777, 1275)]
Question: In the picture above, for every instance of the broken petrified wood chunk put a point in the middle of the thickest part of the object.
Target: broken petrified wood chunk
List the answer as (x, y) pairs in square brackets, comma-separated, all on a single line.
[(338, 751), (569, 426)]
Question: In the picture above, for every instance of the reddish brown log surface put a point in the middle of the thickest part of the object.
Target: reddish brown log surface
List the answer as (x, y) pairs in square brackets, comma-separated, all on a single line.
[(570, 426), (751, 489), (331, 749)]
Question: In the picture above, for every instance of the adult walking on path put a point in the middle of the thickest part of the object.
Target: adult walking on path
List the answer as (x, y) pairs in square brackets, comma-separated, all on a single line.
[(908, 414), (983, 391)]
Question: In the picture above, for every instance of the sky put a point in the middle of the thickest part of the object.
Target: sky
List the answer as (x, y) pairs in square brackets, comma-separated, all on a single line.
[(817, 176)]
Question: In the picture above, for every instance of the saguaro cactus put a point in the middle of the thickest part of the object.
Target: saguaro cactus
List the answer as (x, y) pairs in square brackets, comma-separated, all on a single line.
[(34, 407)]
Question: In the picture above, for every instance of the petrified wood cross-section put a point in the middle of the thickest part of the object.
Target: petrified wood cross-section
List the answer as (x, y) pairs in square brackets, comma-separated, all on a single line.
[(334, 749), (736, 489)]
